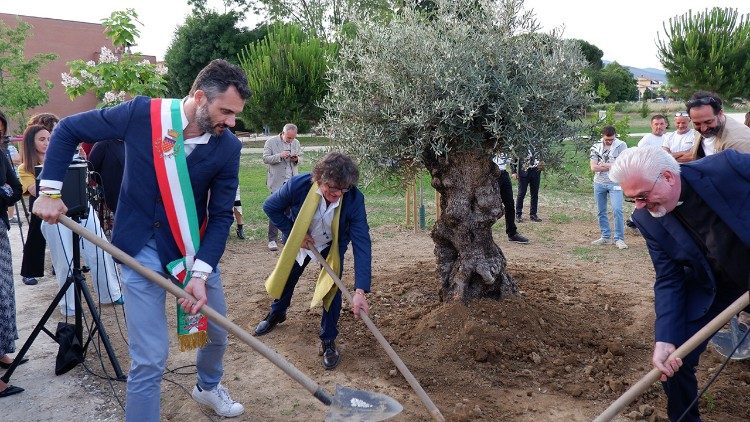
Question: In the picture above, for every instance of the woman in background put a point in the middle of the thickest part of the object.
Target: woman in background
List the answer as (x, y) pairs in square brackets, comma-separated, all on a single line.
[(35, 142), (10, 192)]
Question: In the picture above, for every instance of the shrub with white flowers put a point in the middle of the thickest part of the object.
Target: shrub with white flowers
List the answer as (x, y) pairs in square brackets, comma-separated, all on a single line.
[(116, 76)]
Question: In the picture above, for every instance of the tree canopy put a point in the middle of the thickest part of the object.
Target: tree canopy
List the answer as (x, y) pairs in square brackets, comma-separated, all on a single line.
[(20, 86), (592, 53), (620, 83), (446, 90), (708, 50), (286, 73), (203, 37), (321, 18), (418, 88)]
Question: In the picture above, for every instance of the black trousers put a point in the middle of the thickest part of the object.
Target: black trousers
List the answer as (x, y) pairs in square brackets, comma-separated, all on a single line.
[(32, 263), (532, 178), (506, 195)]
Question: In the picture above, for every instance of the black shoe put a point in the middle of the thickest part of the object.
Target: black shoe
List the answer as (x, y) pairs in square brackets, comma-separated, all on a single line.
[(535, 218), (10, 390), (331, 357), (518, 239), (519, 219), (29, 281), (85, 269), (268, 324), (7, 365), (630, 223), (241, 233)]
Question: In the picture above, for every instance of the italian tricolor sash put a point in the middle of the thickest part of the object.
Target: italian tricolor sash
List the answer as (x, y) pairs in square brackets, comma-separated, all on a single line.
[(179, 204)]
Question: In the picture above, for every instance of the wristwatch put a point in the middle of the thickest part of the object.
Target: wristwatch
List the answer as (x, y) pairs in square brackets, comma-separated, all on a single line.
[(200, 274)]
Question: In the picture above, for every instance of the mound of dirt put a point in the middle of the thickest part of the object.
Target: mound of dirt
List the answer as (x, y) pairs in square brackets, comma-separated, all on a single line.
[(578, 334)]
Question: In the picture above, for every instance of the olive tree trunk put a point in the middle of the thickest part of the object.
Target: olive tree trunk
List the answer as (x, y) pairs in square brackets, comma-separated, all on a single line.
[(469, 263)]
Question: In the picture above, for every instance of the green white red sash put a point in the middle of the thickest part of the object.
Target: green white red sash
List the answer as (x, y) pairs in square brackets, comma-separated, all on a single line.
[(179, 204)]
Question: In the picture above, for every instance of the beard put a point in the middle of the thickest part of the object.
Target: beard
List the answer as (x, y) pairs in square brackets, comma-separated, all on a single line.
[(712, 131), (203, 120), (658, 212)]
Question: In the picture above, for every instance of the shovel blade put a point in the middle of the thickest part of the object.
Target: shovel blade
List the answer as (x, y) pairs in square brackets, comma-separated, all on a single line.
[(725, 342), (357, 405)]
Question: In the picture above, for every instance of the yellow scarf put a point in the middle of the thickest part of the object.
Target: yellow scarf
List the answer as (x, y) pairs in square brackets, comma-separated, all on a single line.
[(325, 288)]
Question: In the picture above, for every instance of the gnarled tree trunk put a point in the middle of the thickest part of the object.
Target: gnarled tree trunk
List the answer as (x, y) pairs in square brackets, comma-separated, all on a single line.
[(469, 263)]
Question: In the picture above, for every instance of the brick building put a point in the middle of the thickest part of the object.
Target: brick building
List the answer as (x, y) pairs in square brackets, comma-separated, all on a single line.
[(70, 40)]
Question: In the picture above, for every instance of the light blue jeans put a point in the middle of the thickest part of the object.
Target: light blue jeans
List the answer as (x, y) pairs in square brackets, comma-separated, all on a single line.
[(149, 334), (601, 190)]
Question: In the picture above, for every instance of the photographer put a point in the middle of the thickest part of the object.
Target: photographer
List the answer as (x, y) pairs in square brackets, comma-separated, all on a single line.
[(281, 154)]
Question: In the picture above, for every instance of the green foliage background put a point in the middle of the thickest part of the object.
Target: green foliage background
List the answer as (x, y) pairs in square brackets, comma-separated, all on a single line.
[(286, 73), (204, 37), (20, 86), (708, 50)]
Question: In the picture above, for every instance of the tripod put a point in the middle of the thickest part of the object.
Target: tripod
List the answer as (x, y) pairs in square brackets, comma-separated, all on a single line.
[(79, 282)]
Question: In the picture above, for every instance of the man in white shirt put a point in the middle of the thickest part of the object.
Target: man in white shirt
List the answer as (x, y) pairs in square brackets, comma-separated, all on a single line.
[(680, 142), (656, 137)]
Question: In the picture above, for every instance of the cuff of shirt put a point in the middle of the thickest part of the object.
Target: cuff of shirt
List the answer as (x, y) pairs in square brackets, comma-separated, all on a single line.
[(201, 266), (52, 184)]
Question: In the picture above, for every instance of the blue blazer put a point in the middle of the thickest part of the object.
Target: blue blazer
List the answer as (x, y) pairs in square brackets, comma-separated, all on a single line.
[(352, 222), (140, 215), (685, 285)]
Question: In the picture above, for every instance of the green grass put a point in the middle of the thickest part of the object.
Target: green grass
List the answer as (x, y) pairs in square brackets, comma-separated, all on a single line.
[(585, 253), (565, 195), (384, 205)]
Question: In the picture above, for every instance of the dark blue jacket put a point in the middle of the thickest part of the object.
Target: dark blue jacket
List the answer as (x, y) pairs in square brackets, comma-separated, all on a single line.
[(352, 222), (213, 168), (685, 285)]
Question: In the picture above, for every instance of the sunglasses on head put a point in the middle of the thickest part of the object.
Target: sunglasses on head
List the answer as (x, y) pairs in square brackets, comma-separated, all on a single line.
[(681, 114), (702, 101)]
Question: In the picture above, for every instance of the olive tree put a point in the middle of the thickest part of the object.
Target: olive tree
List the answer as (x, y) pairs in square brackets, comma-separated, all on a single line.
[(446, 92)]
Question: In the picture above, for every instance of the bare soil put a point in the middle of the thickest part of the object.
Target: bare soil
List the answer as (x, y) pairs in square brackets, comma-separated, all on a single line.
[(578, 334)]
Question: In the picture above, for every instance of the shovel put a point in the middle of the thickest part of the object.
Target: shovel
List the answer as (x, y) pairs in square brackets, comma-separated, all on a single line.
[(702, 335), (434, 411), (346, 404)]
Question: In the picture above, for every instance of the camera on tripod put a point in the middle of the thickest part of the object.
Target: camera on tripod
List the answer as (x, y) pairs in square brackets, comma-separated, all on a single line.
[(74, 193)]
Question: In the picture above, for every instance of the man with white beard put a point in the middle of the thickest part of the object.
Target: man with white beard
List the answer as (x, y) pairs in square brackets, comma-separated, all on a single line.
[(695, 226)]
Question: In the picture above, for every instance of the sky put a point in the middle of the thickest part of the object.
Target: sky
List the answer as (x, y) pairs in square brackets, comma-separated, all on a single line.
[(160, 18), (625, 31)]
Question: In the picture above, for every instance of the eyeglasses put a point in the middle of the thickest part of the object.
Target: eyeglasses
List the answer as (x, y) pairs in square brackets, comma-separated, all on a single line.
[(336, 191), (702, 101), (644, 196), (681, 114)]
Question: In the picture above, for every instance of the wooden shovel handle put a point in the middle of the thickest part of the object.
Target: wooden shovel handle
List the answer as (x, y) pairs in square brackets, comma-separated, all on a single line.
[(702, 335), (213, 315), (434, 411)]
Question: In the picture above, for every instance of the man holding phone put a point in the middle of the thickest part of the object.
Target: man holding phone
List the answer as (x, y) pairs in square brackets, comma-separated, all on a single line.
[(281, 155)]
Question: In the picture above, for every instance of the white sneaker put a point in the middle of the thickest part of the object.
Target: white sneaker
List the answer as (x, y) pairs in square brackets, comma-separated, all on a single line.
[(272, 246), (602, 241), (219, 400), (620, 244)]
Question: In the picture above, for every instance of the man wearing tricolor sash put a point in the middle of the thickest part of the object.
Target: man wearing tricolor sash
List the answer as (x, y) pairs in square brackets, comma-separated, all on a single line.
[(176, 153), (322, 210)]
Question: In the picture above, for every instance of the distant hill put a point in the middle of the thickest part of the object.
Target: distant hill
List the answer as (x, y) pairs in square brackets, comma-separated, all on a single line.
[(648, 72)]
